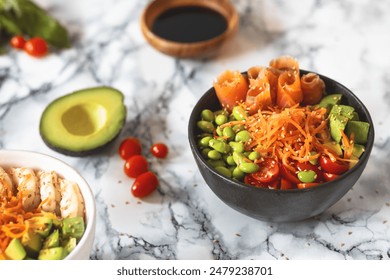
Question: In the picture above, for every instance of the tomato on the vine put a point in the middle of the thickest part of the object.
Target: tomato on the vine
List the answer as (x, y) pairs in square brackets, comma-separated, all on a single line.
[(333, 167), (129, 147), (36, 47), (268, 170), (144, 184), (159, 150), (135, 166), (18, 42)]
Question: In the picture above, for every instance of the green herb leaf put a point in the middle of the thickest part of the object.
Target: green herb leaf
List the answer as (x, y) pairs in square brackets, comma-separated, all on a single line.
[(33, 21)]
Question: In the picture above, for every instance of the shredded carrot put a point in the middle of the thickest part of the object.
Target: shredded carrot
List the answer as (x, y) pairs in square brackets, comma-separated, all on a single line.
[(291, 134), (13, 220)]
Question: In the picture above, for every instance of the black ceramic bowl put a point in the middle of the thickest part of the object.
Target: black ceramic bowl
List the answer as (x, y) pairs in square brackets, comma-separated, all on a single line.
[(273, 204)]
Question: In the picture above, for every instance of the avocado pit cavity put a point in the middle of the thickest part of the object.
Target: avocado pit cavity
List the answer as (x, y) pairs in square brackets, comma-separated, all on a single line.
[(84, 119)]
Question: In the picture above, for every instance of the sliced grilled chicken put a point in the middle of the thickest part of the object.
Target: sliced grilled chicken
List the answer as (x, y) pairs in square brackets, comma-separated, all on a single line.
[(72, 202), (27, 185), (6, 186), (50, 191)]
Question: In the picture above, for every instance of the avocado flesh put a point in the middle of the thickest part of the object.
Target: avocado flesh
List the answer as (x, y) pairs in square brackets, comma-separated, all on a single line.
[(53, 240), (360, 131), (84, 121), (15, 250), (73, 227), (329, 100), (55, 253), (32, 243)]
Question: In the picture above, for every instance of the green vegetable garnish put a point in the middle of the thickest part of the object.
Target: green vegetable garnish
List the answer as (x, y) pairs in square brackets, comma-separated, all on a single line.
[(23, 17)]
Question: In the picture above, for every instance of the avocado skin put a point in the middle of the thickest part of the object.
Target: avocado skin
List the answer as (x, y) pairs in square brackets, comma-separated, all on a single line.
[(86, 152), (80, 153)]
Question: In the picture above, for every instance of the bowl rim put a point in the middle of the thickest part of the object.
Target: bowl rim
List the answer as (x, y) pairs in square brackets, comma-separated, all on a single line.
[(85, 189), (362, 160)]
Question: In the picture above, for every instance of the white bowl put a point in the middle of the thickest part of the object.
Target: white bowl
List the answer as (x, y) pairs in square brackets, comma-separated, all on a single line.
[(14, 158)]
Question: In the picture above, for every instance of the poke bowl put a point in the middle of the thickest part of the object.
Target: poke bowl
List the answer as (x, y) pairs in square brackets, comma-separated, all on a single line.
[(54, 205), (278, 198)]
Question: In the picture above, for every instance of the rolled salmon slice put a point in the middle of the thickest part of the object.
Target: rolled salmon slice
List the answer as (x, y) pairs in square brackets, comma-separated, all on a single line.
[(231, 88)]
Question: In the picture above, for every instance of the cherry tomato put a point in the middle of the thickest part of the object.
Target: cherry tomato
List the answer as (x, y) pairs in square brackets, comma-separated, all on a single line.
[(18, 42), (250, 180), (333, 167), (329, 176), (302, 166), (129, 147), (159, 150), (286, 184), (306, 185), (268, 171), (135, 166), (287, 174), (144, 184), (36, 47)]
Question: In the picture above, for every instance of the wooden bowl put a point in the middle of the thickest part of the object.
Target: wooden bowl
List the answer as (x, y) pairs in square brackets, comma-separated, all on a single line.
[(195, 49)]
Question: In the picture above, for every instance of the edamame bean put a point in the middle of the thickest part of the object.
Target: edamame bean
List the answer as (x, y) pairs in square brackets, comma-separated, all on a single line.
[(221, 119), (313, 161), (213, 154), (248, 167), (239, 113), (228, 132), (219, 146), (307, 176), (205, 152), (238, 127), (221, 112), (243, 136), (238, 174), (254, 155), (206, 126), (207, 115), (219, 131), (224, 171), (237, 146), (216, 163), (204, 142), (238, 157), (229, 160)]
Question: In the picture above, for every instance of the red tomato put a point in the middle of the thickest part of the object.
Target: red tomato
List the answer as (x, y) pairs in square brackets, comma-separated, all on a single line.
[(250, 180), (144, 184), (18, 42), (286, 184), (135, 166), (306, 185), (308, 166), (329, 176), (333, 167), (36, 47), (287, 174), (268, 171), (129, 147), (159, 150)]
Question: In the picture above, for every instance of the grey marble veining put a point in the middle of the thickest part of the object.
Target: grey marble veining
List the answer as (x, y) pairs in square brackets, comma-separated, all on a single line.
[(345, 40)]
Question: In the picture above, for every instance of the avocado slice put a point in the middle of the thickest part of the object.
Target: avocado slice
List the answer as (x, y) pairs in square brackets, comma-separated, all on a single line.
[(337, 124), (73, 227), (69, 245), (45, 225), (15, 250), (358, 150), (359, 129), (343, 110), (83, 122), (334, 147), (53, 240), (55, 253), (329, 100), (32, 243)]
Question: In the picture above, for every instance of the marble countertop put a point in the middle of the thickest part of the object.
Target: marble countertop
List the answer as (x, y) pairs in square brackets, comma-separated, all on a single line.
[(344, 40)]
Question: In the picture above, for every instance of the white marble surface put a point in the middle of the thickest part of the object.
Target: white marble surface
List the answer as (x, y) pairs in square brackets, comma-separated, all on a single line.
[(346, 40)]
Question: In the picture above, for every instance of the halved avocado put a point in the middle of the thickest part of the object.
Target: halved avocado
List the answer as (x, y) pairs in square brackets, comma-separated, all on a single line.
[(83, 122)]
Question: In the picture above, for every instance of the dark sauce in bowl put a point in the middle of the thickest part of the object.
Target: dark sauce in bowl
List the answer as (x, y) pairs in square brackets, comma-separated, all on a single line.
[(189, 24)]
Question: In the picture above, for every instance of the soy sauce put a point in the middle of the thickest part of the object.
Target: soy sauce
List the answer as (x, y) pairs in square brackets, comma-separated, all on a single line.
[(189, 24)]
